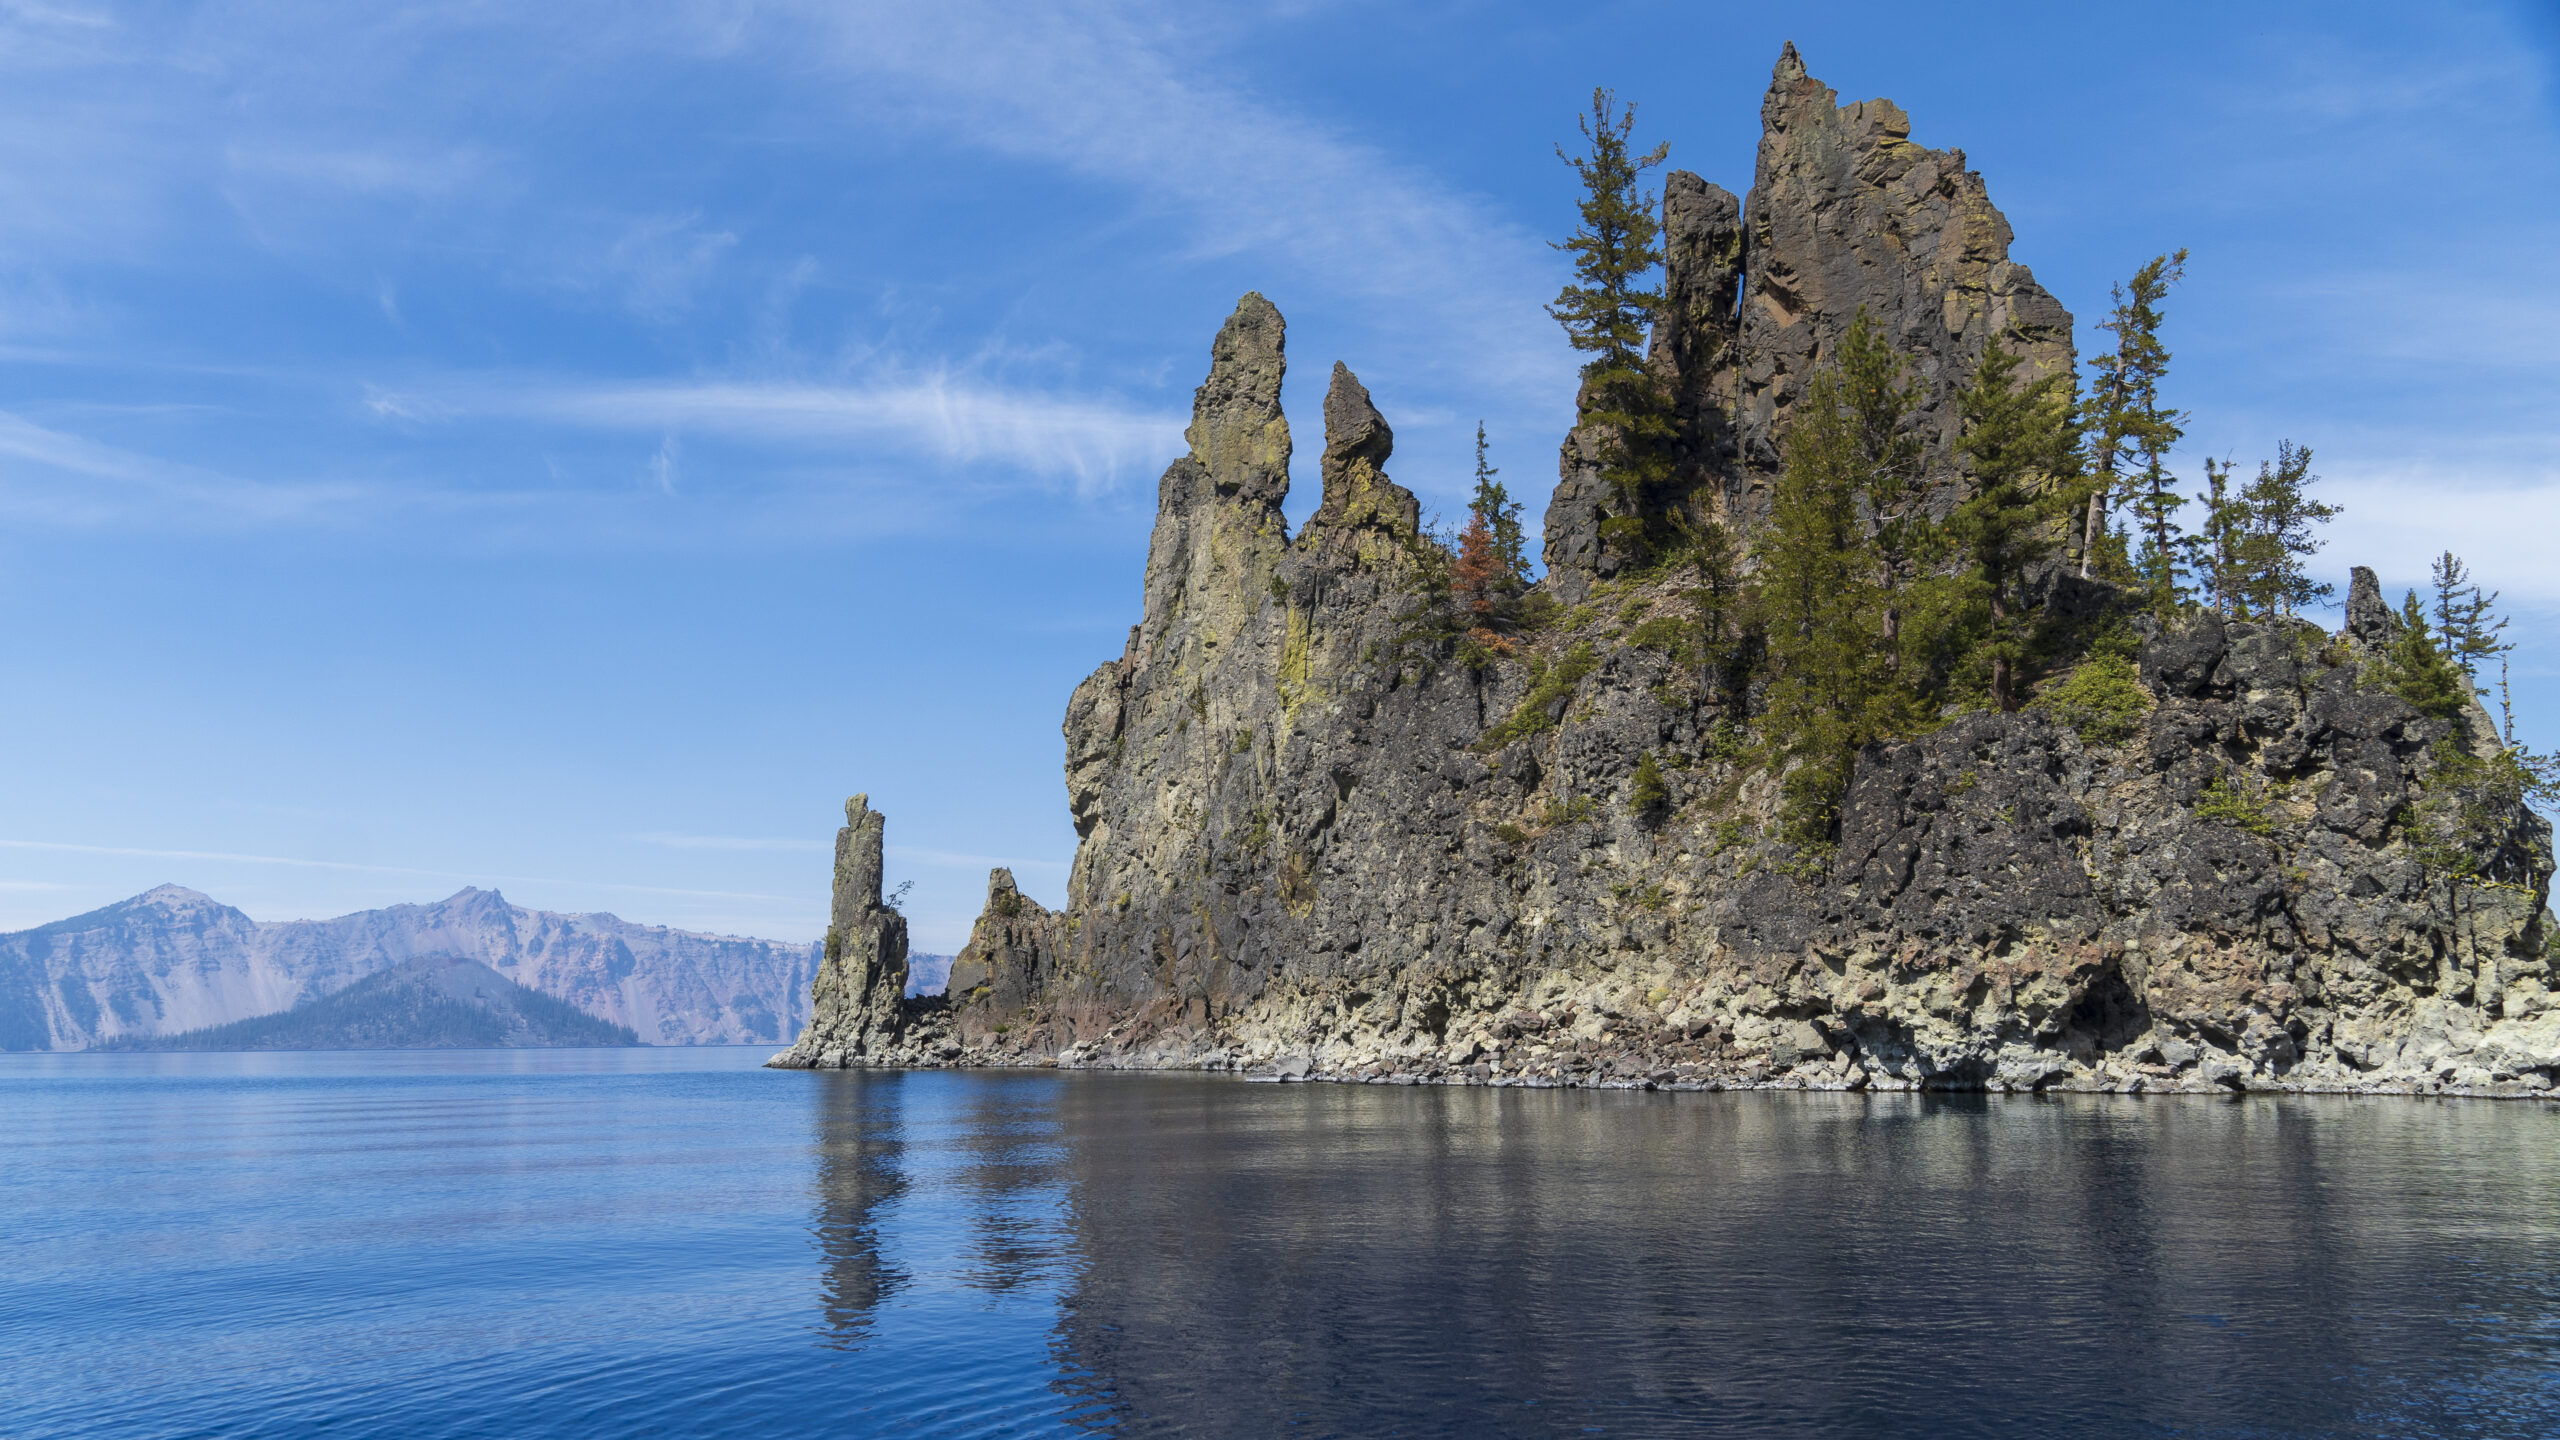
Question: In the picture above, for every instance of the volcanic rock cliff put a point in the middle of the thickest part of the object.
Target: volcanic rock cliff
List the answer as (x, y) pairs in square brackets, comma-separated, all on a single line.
[(1304, 852)]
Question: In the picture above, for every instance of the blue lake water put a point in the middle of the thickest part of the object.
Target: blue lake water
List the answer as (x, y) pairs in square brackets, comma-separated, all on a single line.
[(676, 1243)]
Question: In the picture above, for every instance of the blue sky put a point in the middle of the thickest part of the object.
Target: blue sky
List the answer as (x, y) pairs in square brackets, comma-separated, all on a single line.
[(570, 447)]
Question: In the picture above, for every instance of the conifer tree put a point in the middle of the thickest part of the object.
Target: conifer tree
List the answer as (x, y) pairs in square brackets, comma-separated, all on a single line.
[(1476, 576), (1818, 593), (1714, 561), (2024, 449), (2130, 431), (1879, 402), (2155, 502), (1606, 314), (2468, 621), (2417, 669), (2218, 552), (1500, 515), (2280, 513)]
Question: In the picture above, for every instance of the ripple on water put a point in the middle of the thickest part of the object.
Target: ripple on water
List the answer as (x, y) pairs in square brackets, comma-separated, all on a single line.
[(674, 1242)]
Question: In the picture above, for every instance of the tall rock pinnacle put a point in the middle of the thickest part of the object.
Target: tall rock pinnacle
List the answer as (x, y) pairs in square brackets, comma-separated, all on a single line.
[(856, 1016), (1845, 213), (1364, 515)]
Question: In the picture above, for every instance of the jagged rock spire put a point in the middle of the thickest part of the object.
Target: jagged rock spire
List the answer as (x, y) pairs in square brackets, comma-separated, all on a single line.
[(1363, 512), (1237, 433), (855, 1015), (1845, 213)]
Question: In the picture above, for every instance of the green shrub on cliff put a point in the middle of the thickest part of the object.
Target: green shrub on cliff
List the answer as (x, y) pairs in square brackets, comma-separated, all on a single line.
[(1553, 682), (2103, 700), (2239, 803), (1647, 793), (2418, 670)]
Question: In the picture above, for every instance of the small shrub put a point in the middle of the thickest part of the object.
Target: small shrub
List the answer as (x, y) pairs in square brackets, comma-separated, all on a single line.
[(1244, 741), (1654, 897), (1555, 683), (1279, 588), (1569, 812), (2236, 802), (1728, 742), (2103, 700), (1647, 794), (1510, 834)]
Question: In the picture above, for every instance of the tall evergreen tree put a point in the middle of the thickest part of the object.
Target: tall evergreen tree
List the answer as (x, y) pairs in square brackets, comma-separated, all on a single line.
[(2468, 620), (1878, 401), (1607, 312), (2023, 447), (2280, 513), (2418, 670), (2130, 431), (1819, 602), (1500, 515), (1716, 593), (2218, 552)]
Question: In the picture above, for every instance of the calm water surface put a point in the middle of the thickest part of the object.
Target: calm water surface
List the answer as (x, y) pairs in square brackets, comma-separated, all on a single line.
[(673, 1242)]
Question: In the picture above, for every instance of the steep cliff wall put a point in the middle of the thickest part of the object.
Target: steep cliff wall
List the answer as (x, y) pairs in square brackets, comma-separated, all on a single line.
[(1317, 840)]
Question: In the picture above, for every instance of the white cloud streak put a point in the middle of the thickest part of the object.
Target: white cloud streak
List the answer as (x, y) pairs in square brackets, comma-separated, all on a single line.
[(1094, 443)]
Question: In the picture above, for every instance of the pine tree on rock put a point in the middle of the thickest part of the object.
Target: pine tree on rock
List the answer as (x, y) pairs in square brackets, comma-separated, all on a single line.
[(2279, 515), (2218, 552), (2024, 450), (1500, 514), (2468, 620), (1879, 401), (2130, 431), (2417, 669), (1819, 602), (1607, 313)]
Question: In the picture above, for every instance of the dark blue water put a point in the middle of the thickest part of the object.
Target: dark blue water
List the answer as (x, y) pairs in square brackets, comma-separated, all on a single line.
[(672, 1242)]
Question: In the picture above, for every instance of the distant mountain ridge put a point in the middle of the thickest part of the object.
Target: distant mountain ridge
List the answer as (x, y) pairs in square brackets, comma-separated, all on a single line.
[(174, 959), (439, 1002)]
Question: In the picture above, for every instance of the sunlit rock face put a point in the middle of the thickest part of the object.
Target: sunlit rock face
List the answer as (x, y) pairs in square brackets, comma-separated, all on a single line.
[(1306, 852)]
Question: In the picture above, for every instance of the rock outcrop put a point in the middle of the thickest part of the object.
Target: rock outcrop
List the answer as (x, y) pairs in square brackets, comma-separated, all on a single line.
[(174, 959), (1321, 837), (859, 1011), (1845, 214)]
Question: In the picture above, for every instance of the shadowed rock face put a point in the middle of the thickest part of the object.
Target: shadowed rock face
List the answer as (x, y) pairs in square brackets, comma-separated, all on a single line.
[(1302, 853)]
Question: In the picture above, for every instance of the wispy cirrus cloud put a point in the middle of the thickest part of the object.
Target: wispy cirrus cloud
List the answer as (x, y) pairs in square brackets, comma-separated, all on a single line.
[(1132, 94), (58, 477), (1093, 442)]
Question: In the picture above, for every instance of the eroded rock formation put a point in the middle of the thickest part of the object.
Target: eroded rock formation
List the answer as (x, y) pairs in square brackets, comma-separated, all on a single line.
[(859, 1013), (1307, 849)]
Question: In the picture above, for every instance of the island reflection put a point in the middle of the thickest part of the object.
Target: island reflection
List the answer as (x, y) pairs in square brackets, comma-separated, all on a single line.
[(1217, 1258)]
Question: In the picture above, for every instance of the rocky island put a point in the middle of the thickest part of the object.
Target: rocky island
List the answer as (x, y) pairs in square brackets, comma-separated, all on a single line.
[(1329, 828)]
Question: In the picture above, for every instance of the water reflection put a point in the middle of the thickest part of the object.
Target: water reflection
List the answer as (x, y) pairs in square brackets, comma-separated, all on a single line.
[(1372, 1261), (861, 1145), (1166, 1255), (1011, 1180)]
